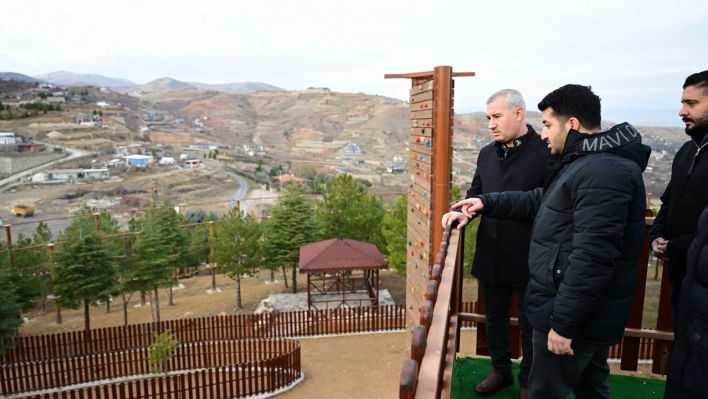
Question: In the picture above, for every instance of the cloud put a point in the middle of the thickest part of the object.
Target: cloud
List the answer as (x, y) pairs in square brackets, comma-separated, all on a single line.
[(634, 53)]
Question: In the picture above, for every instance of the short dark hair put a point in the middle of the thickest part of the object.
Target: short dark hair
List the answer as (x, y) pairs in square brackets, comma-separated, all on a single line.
[(574, 101), (699, 80)]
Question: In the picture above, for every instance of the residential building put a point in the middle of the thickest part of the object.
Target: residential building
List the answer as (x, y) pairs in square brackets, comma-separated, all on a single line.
[(199, 146), (103, 104), (65, 174), (96, 174), (7, 138), (30, 147), (149, 117), (193, 163), (138, 160), (287, 178)]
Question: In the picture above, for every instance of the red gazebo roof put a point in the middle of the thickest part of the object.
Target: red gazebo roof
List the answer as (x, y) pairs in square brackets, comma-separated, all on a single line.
[(340, 254)]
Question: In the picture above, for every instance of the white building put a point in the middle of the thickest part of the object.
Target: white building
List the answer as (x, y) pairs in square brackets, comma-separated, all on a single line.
[(7, 138)]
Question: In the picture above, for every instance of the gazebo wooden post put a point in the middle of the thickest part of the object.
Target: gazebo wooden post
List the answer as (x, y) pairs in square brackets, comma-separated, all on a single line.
[(309, 300), (377, 288)]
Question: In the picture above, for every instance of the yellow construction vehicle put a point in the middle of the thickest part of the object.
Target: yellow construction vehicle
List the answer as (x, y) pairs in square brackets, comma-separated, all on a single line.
[(22, 210)]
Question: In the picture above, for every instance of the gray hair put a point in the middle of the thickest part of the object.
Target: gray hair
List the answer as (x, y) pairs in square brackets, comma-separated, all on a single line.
[(514, 99)]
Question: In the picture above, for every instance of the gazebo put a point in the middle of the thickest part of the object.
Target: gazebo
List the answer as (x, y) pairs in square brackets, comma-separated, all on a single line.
[(341, 273)]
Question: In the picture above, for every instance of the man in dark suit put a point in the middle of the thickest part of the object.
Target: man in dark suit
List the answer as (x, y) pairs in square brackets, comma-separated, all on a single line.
[(515, 161), (687, 193)]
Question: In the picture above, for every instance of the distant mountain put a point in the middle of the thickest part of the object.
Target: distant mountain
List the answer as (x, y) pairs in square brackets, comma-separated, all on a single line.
[(157, 85), (76, 79), (172, 84), (17, 76), (234, 87)]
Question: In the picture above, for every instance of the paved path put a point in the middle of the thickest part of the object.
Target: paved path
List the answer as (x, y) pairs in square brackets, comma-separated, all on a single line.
[(73, 154)]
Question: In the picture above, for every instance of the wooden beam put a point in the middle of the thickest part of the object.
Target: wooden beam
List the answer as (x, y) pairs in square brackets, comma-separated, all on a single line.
[(409, 75)]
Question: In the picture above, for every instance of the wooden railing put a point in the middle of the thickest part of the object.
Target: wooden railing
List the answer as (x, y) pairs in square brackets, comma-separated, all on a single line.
[(428, 373), (213, 369), (214, 328)]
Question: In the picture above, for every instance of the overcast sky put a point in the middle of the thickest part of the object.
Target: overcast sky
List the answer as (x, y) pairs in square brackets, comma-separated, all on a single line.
[(635, 54)]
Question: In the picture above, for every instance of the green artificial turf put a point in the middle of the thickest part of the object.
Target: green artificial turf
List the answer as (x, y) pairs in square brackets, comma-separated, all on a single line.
[(468, 372)]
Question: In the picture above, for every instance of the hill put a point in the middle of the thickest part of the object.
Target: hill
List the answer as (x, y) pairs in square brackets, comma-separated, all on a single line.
[(17, 76), (163, 84), (234, 87), (76, 79), (157, 85)]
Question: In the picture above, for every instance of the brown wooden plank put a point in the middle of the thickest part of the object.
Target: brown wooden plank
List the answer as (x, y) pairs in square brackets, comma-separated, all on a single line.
[(418, 209), (416, 236), (421, 123), (420, 158), (425, 96), (421, 148), (421, 106), (420, 170), (421, 255), (421, 131), (427, 86), (424, 181), (421, 195), (418, 219), (421, 114), (426, 142)]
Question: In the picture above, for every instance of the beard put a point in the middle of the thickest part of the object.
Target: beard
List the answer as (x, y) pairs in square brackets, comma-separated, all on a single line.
[(700, 126)]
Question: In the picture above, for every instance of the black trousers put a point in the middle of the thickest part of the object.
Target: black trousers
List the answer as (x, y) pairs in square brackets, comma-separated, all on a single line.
[(497, 303), (556, 376)]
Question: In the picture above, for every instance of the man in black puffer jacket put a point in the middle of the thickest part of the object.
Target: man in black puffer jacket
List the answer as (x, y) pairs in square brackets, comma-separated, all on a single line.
[(689, 360), (687, 193), (587, 235)]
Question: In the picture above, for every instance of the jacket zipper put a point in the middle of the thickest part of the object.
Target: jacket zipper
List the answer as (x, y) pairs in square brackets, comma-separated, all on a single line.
[(693, 162)]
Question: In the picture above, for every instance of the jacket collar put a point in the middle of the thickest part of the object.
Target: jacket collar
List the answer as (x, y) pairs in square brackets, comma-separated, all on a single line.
[(519, 141)]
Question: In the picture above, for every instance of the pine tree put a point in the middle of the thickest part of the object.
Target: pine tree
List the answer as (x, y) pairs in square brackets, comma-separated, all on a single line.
[(10, 319), (293, 224), (350, 212), (83, 273), (395, 230), (237, 247), (156, 253)]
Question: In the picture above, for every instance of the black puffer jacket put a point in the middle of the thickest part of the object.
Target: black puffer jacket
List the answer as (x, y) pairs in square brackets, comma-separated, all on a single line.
[(682, 203), (587, 235), (502, 255), (689, 361)]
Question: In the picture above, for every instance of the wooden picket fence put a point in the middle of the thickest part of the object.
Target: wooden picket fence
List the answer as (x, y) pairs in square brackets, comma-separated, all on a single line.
[(294, 324), (214, 369)]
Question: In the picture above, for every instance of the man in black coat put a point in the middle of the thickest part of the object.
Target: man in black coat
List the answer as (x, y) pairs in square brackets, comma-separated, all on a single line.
[(515, 161), (689, 361), (687, 193), (587, 236)]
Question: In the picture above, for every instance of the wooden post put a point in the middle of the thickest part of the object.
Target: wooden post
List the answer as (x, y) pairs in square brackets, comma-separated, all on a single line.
[(664, 322), (430, 172), (142, 294), (442, 143), (630, 345), (50, 247), (98, 224), (8, 236), (211, 258)]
